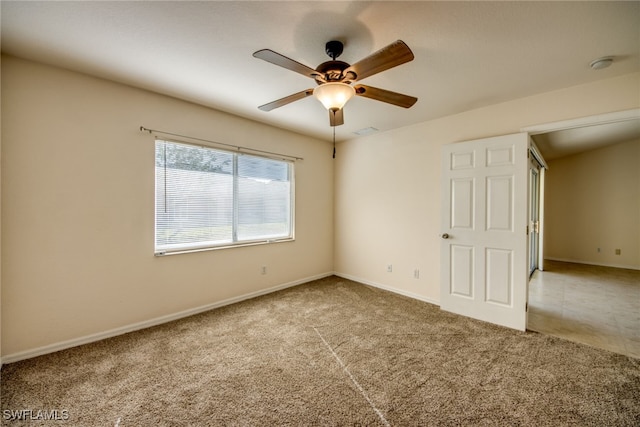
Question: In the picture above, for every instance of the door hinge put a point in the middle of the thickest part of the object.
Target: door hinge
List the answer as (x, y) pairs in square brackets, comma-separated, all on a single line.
[(527, 230)]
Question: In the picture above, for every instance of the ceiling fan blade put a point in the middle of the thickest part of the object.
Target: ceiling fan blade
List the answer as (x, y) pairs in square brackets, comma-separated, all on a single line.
[(395, 54), (286, 100), (336, 117), (387, 96), (282, 61)]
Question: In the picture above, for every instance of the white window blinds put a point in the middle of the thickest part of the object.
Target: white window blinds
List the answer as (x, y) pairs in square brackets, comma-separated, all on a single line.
[(207, 198)]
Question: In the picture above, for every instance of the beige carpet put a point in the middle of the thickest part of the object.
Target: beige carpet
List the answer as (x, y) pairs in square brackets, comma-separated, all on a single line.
[(327, 353)]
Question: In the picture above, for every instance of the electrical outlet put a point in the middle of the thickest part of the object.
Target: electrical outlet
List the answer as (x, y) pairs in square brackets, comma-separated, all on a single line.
[(618, 251), (416, 274), (389, 268), (263, 270)]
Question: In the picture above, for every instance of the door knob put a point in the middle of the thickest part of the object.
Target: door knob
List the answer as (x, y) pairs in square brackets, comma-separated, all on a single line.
[(445, 236)]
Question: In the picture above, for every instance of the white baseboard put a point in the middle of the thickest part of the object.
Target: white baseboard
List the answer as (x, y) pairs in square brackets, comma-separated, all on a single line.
[(388, 288), (52, 348), (575, 261)]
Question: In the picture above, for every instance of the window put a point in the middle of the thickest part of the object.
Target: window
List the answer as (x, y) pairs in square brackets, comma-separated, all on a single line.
[(207, 198)]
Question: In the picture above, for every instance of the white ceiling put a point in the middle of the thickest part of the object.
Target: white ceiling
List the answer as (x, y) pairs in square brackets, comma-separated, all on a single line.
[(467, 54)]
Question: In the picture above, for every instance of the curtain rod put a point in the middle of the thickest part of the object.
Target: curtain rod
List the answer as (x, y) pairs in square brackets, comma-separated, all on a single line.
[(237, 147)]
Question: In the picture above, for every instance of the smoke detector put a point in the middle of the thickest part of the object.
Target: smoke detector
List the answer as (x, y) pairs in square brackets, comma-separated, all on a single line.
[(600, 63)]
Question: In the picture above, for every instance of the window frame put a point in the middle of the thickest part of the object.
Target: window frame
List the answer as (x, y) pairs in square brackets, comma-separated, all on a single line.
[(181, 248)]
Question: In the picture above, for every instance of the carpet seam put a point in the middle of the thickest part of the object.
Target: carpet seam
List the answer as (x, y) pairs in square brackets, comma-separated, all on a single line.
[(353, 380)]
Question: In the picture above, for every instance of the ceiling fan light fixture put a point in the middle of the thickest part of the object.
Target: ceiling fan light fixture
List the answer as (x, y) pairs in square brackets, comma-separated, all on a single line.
[(334, 95)]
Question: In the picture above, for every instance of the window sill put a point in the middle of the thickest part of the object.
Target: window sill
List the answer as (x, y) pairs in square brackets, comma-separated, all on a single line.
[(163, 253)]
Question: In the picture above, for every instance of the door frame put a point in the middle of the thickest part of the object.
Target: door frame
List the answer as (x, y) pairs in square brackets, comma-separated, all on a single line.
[(599, 119)]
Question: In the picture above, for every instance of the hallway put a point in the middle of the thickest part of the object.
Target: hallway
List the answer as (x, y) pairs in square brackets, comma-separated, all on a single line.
[(593, 305)]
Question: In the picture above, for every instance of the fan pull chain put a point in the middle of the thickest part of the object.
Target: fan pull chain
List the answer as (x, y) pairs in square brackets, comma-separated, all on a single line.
[(334, 141)]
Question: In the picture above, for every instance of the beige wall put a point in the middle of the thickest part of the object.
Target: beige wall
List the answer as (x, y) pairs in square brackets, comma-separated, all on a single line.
[(78, 209), (593, 201), (77, 202), (387, 197)]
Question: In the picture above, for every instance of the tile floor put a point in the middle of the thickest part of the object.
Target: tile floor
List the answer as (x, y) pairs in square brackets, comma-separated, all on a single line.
[(593, 305)]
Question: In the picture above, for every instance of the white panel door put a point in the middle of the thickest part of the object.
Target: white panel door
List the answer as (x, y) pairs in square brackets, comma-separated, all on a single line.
[(484, 229)]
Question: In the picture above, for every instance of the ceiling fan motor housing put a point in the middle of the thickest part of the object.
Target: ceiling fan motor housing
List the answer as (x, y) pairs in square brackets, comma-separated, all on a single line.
[(332, 71)]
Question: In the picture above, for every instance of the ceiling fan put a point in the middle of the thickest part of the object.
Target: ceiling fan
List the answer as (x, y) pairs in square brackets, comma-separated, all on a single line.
[(334, 78)]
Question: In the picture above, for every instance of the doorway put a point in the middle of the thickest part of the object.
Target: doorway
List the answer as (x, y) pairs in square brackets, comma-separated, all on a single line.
[(579, 296)]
